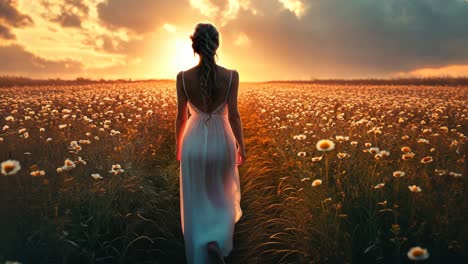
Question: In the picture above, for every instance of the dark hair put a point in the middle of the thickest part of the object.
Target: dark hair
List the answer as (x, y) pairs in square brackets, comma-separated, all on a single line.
[(205, 42)]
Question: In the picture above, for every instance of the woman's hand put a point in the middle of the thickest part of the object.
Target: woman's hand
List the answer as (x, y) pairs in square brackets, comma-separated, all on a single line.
[(240, 157)]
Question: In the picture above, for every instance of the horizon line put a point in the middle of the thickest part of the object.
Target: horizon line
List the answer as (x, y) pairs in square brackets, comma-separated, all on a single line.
[(395, 78)]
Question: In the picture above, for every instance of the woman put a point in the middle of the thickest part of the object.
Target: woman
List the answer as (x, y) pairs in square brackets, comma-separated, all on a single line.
[(206, 148)]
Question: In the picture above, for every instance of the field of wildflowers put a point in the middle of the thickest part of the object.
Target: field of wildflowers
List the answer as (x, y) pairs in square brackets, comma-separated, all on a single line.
[(334, 174)]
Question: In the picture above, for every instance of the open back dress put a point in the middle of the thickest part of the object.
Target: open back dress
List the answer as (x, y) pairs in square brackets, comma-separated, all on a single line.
[(209, 181)]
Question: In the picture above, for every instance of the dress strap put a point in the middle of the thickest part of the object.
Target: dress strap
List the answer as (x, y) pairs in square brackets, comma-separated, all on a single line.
[(183, 85), (229, 88)]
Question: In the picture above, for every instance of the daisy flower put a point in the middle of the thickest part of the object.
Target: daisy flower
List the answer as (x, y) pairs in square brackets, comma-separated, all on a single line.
[(414, 188), (10, 167), (379, 186), (96, 176), (325, 145), (398, 174), (316, 183), (418, 253), (426, 160)]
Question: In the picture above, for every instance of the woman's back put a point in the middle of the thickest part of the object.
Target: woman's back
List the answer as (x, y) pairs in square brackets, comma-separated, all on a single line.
[(193, 90)]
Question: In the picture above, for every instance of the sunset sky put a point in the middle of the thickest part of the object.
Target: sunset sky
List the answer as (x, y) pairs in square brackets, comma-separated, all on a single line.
[(262, 39)]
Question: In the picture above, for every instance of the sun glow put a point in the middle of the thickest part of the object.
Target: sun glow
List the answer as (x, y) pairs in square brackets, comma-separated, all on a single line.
[(182, 55), (177, 56)]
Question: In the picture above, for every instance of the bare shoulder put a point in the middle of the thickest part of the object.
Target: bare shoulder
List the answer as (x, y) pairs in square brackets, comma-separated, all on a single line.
[(235, 78), (228, 72), (235, 74), (225, 72)]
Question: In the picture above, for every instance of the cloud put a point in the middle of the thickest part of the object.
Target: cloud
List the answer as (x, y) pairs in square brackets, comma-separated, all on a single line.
[(263, 39), (206, 7), (169, 28), (23, 62), (223, 11), (145, 15), (295, 6), (360, 38), (5, 33), (10, 17), (242, 40), (69, 13), (450, 70), (68, 20), (91, 43), (107, 43)]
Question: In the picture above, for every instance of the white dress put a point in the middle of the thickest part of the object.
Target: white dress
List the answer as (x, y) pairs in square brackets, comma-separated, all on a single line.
[(209, 182)]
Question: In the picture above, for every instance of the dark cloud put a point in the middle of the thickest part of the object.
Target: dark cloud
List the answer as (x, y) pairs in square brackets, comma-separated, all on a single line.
[(356, 38), (5, 33), (111, 45), (144, 15), (71, 12), (115, 45), (68, 20), (10, 17), (108, 44), (79, 4), (16, 60)]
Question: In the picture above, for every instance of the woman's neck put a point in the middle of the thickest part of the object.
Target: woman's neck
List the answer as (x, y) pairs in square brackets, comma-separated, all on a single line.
[(200, 62)]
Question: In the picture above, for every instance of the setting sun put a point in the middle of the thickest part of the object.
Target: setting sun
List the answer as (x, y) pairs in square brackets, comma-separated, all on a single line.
[(182, 56), (176, 55)]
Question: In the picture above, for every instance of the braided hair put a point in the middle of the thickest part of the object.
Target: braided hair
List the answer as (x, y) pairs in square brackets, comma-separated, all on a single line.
[(205, 42)]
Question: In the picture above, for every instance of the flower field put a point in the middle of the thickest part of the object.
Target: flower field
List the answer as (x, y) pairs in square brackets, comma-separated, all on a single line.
[(334, 174)]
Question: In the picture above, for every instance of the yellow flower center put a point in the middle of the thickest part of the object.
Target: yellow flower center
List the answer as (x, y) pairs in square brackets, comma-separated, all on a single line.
[(325, 145), (418, 252), (8, 167)]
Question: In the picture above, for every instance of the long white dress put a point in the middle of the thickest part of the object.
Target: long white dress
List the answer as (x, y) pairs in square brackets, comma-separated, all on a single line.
[(209, 182)]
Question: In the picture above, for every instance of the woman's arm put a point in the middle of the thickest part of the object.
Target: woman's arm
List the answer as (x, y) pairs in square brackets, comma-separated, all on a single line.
[(234, 116), (181, 118)]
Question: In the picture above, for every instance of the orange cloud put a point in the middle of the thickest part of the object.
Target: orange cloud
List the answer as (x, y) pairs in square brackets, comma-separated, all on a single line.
[(169, 28), (205, 7), (242, 40), (295, 6), (450, 71), (222, 13)]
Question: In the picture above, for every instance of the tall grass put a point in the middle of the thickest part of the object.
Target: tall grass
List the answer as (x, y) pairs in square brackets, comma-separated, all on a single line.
[(360, 213)]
